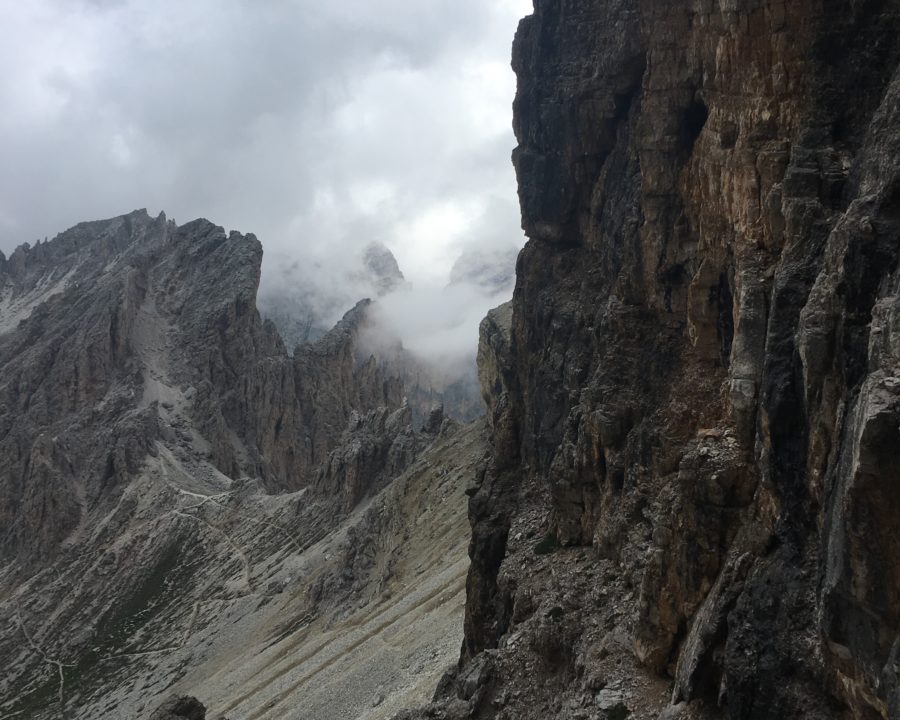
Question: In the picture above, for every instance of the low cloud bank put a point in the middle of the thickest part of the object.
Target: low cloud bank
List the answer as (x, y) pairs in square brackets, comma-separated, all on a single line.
[(436, 323), (320, 127), (438, 326)]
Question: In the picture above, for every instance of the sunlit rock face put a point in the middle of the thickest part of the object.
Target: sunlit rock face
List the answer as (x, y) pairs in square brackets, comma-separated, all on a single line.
[(693, 498)]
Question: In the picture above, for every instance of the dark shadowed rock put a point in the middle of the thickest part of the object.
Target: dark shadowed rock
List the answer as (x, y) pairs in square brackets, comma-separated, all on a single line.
[(693, 491), (180, 707)]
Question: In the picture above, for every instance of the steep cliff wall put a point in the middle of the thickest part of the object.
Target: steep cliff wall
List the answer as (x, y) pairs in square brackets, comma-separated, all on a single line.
[(123, 333), (696, 409), (184, 505)]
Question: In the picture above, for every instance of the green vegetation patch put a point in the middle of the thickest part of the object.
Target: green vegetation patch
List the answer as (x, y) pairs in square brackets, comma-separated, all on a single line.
[(31, 702), (119, 624)]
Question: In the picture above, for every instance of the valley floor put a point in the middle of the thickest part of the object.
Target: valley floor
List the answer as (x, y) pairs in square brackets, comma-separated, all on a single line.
[(256, 604)]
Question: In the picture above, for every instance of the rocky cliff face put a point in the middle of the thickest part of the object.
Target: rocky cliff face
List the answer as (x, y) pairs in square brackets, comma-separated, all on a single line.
[(150, 331), (186, 507), (304, 301), (695, 408)]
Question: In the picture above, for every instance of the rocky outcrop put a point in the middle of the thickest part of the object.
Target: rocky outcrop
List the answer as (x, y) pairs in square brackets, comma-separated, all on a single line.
[(695, 411), (188, 508), (180, 707), (373, 449), (150, 331), (495, 490)]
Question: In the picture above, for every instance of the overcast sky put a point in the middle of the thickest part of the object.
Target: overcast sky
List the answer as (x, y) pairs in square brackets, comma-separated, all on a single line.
[(319, 126)]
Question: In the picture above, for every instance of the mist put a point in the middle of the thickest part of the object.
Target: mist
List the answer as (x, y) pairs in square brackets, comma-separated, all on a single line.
[(436, 324), (320, 127)]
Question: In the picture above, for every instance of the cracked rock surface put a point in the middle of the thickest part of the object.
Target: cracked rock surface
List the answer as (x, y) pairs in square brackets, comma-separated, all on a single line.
[(691, 508), (186, 508)]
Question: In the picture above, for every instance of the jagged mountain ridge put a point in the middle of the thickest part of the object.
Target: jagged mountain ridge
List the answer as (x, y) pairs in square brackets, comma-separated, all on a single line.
[(107, 358), (300, 308), (303, 309), (184, 502), (691, 509)]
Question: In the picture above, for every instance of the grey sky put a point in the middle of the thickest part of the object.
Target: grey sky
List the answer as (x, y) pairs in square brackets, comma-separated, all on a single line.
[(320, 126)]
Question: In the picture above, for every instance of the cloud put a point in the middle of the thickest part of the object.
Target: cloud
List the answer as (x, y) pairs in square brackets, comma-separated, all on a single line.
[(436, 324), (245, 111), (321, 127)]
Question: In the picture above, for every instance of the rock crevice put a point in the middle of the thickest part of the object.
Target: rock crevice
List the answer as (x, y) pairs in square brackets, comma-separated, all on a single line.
[(699, 380)]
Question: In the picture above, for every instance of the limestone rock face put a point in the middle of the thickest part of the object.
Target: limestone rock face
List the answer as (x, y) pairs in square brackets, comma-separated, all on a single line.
[(695, 412), (150, 331), (373, 449), (188, 508)]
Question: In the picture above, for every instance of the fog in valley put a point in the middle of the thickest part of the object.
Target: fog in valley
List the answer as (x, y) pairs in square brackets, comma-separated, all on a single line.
[(325, 129)]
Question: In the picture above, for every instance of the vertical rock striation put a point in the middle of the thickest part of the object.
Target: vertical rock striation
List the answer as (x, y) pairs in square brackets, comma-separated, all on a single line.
[(701, 379), (150, 331), (186, 508)]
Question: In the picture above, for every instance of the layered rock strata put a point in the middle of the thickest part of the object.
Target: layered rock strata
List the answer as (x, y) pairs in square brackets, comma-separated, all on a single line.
[(123, 333), (185, 507), (694, 477)]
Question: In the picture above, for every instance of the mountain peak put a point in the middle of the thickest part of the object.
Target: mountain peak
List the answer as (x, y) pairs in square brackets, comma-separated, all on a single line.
[(382, 268)]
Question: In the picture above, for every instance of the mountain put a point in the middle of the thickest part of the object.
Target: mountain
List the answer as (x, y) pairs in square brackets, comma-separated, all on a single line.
[(304, 302), (300, 309), (188, 508), (692, 503), (491, 270), (686, 501), (381, 268)]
